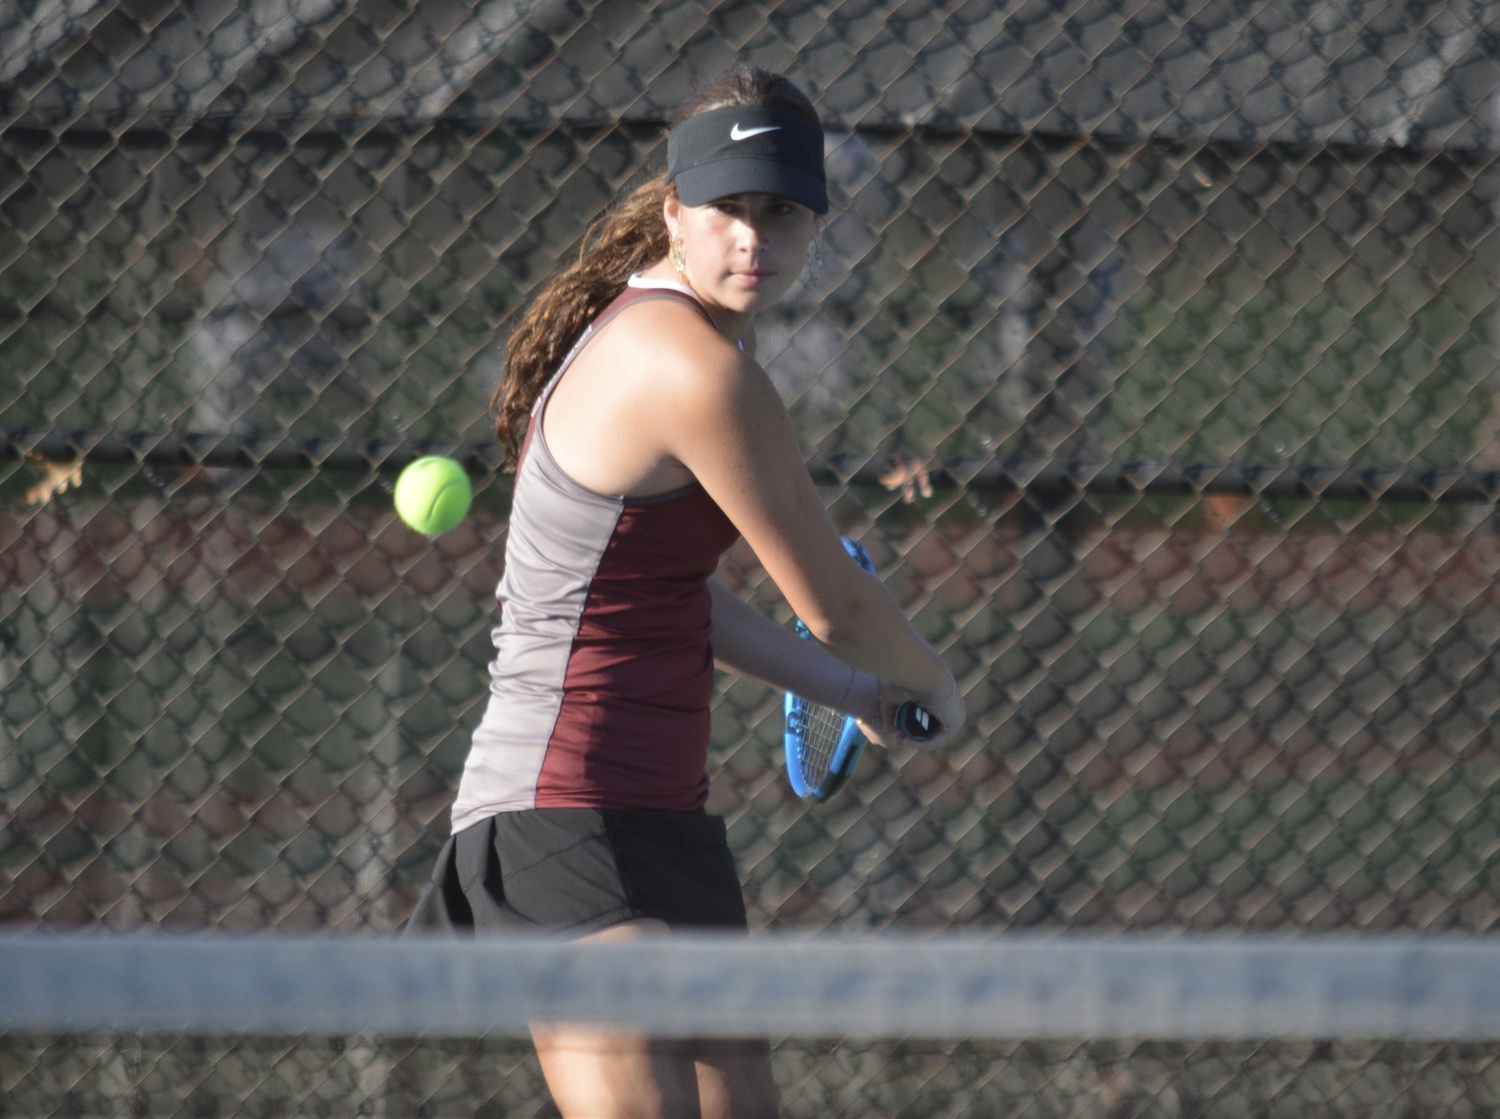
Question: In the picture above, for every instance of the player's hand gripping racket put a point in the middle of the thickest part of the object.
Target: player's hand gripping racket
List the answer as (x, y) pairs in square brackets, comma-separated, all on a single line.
[(822, 744)]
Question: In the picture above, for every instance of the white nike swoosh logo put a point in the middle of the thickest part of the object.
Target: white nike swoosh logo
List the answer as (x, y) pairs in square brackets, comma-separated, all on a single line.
[(737, 133)]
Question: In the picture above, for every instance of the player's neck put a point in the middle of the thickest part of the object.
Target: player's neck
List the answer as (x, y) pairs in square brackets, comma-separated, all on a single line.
[(737, 326)]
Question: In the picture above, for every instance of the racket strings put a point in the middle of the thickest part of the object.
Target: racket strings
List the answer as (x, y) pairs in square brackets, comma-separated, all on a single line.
[(822, 733)]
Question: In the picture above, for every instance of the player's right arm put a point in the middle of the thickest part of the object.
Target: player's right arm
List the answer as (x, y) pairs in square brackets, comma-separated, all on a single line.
[(723, 420)]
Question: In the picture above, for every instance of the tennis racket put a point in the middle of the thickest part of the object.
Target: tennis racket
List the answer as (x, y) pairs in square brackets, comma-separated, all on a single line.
[(822, 744)]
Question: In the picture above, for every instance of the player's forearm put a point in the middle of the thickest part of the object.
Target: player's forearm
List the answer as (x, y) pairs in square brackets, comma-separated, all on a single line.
[(869, 631), (749, 644)]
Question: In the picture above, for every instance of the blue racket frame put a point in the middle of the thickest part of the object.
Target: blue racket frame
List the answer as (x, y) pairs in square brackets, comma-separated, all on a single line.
[(795, 709)]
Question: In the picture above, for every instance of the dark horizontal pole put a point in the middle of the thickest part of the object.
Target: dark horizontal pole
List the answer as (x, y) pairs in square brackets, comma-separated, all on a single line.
[(248, 452), (132, 127), (1324, 483), (293, 452), (1284, 482)]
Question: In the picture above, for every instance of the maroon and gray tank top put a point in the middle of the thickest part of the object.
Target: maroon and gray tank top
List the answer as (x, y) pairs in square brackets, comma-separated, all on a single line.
[(600, 687)]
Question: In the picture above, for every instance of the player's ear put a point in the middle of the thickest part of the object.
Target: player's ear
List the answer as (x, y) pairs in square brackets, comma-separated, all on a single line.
[(671, 212)]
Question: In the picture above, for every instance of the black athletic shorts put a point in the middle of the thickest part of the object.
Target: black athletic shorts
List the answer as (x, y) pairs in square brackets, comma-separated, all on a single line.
[(577, 870)]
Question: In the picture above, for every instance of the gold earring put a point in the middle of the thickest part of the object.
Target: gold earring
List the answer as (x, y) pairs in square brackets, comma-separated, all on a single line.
[(679, 259)]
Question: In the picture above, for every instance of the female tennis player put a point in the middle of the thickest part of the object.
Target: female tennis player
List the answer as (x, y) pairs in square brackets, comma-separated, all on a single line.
[(647, 439)]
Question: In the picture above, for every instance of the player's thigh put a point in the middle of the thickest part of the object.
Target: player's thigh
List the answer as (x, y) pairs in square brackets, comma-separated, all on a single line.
[(734, 1079), (599, 1074), (594, 1075)]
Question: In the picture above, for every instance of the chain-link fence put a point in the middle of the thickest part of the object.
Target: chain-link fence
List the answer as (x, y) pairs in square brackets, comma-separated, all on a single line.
[(1152, 356)]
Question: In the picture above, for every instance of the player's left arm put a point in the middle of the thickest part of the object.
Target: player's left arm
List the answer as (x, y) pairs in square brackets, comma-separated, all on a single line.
[(749, 644)]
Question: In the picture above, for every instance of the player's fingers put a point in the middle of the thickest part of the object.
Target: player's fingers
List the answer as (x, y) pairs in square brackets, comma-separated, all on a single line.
[(879, 733)]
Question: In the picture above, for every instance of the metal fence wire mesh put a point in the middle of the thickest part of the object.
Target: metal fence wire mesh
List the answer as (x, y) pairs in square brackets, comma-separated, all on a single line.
[(1152, 355)]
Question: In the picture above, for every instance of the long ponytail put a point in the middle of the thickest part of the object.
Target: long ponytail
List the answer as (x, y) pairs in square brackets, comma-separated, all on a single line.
[(629, 238)]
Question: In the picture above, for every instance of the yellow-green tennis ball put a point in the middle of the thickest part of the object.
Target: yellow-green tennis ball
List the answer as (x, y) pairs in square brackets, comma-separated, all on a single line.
[(433, 494)]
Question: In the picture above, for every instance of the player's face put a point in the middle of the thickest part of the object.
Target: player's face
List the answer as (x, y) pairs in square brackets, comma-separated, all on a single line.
[(745, 251)]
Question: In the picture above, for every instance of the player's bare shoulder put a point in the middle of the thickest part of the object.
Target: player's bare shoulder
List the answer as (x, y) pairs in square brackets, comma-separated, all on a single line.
[(681, 350), (675, 330)]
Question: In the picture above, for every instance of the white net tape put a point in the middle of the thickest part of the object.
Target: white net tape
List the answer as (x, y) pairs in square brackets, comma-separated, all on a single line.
[(1217, 987)]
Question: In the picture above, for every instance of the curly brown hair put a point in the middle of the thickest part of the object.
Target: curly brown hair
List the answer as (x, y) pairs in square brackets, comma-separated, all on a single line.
[(628, 238)]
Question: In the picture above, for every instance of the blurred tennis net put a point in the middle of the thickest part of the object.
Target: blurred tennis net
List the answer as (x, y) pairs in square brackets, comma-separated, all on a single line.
[(1172, 1026)]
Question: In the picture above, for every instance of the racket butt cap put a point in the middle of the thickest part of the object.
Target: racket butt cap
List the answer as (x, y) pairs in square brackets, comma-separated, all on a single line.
[(916, 722)]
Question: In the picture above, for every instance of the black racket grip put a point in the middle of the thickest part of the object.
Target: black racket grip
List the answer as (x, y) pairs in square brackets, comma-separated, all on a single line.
[(916, 722)]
